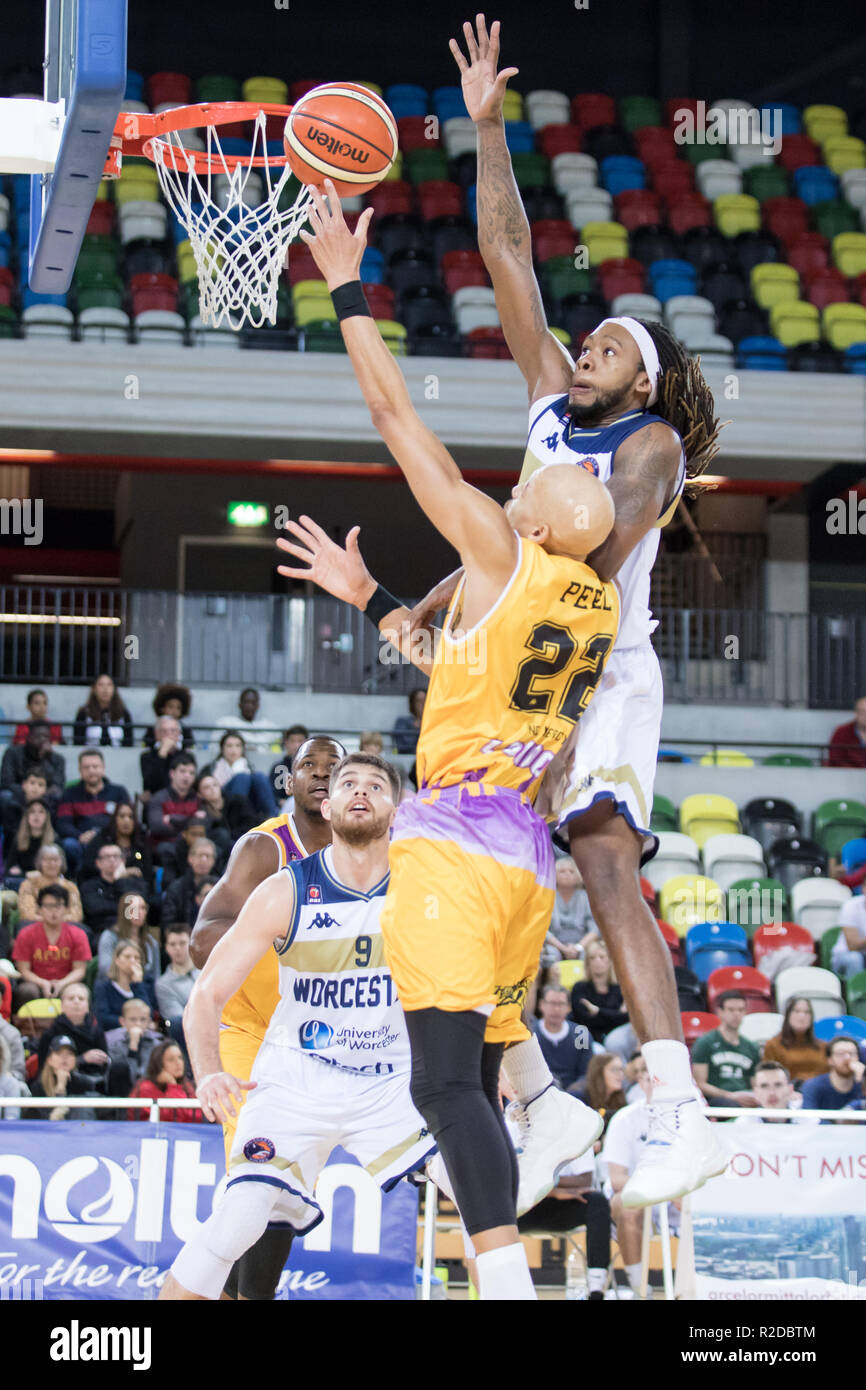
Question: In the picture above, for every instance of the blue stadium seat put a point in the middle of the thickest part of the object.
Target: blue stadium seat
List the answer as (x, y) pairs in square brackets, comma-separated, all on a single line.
[(762, 354), (519, 137), (815, 183), (854, 359), (716, 934), (853, 852), (620, 172), (372, 266), (407, 99), (791, 122), (828, 1028)]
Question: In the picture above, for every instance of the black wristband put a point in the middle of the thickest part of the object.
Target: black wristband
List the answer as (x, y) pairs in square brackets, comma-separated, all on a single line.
[(349, 301), (380, 605)]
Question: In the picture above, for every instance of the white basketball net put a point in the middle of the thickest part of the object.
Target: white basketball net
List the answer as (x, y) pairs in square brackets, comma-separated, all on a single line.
[(240, 247)]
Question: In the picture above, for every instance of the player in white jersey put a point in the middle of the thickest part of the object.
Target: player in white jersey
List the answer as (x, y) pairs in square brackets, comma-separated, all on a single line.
[(335, 1066), (636, 411)]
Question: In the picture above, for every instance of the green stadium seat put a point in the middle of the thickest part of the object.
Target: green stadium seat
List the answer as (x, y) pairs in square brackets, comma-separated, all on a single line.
[(836, 822), (756, 902), (786, 760), (664, 814), (766, 182), (638, 111), (856, 992), (825, 946), (698, 154), (567, 280), (834, 217), (531, 170)]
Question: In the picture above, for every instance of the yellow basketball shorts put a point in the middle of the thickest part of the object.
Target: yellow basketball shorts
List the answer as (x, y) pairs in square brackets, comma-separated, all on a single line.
[(238, 1051), (469, 903)]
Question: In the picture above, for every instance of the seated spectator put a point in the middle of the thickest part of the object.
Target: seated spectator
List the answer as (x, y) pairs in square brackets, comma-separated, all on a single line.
[(567, 1047), (36, 752), (227, 817), (155, 760), (59, 1079), (125, 981), (165, 1079), (170, 811), (572, 920), (623, 1147), (12, 1086), (236, 778), (100, 896), (103, 719), (371, 742), (795, 1047), (842, 1083), (848, 956), (79, 1023), (259, 734), (174, 701), (178, 902), (33, 788), (37, 712), (130, 1047), (408, 726), (32, 836), (282, 769), (130, 925), (635, 1068), (848, 743), (601, 1088), (50, 952), (86, 807), (15, 1043), (722, 1060), (174, 985), (124, 832), (773, 1090), (50, 868), (596, 1001)]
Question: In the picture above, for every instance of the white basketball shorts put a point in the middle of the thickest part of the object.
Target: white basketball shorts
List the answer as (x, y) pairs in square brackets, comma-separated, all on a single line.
[(289, 1126), (614, 749)]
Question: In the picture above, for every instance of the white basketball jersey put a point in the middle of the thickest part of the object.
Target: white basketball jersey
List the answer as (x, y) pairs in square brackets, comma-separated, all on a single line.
[(554, 438)]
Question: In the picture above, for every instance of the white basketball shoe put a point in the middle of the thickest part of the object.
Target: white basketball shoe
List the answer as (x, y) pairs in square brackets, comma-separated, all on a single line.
[(552, 1129), (681, 1153)]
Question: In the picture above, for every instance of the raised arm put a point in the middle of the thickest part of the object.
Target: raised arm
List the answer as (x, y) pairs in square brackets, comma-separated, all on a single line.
[(641, 485), (503, 230)]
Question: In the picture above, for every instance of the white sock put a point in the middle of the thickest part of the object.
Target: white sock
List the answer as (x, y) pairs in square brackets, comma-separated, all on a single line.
[(595, 1279), (633, 1273), (503, 1274), (670, 1069), (528, 1073)]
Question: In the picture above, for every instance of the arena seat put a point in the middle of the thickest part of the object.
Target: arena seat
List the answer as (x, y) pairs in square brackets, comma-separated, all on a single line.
[(736, 212), (844, 325), (778, 945), (690, 899), (821, 987), (795, 858), (773, 283), (695, 1024), (826, 1029), (817, 902), (795, 322), (673, 943), (713, 945), (757, 988), (677, 854), (705, 815), (690, 991), (835, 822), (826, 286), (825, 946), (852, 853), (726, 757), (728, 858), (664, 814), (786, 760), (621, 275), (755, 902), (569, 973), (759, 1028), (855, 989), (762, 354)]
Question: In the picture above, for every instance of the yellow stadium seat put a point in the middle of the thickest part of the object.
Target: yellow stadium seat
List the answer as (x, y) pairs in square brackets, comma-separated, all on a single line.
[(569, 972), (512, 106), (706, 814), (773, 283), (843, 152), (395, 336), (372, 87), (795, 323), (823, 121), (310, 289), (396, 170), (563, 335), (737, 212), (727, 757), (41, 1008), (313, 310), (849, 252), (604, 241), (688, 899), (844, 325)]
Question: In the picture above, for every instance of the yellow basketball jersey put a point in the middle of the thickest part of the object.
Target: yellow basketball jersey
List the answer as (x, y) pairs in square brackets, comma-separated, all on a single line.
[(250, 1009), (504, 697)]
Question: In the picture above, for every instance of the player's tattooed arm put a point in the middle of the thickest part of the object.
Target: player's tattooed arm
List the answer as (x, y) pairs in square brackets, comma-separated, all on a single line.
[(642, 484), (253, 859)]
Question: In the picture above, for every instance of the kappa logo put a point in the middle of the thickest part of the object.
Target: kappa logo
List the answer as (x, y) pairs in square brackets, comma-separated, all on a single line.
[(551, 440), (259, 1150), (324, 919)]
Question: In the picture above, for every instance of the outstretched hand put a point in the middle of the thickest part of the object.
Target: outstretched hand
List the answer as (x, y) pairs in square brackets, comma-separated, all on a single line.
[(339, 570), (336, 251), (483, 89)]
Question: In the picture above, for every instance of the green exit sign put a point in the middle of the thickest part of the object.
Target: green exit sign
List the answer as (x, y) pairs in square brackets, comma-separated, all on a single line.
[(247, 514)]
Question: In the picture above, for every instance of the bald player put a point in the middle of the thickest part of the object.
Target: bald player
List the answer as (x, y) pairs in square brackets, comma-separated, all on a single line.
[(258, 854), (472, 883)]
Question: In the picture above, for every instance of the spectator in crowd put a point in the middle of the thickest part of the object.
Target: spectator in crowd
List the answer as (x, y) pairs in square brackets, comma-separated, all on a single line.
[(12, 1086), (33, 788), (36, 752), (282, 768), (596, 1001), (601, 1088), (50, 952), (125, 981), (408, 726), (259, 734), (178, 903), (165, 1079), (571, 923), (50, 868), (124, 832), (842, 1083), (79, 1023), (203, 887), (848, 956), (773, 1090), (634, 1068), (100, 896), (236, 777), (567, 1047), (130, 925), (86, 807), (103, 719), (226, 817), (623, 1147), (795, 1047), (848, 743), (723, 1061), (59, 1079), (32, 836), (174, 985), (171, 810), (37, 712), (15, 1043), (173, 701), (156, 759), (130, 1047), (371, 742)]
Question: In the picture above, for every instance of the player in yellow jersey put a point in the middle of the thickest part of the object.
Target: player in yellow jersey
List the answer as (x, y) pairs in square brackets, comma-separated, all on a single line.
[(257, 855), (471, 888)]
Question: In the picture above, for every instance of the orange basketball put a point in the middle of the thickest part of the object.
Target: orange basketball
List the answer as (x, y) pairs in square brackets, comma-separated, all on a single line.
[(344, 132)]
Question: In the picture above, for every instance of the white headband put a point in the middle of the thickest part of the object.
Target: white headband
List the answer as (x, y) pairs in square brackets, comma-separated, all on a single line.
[(647, 349)]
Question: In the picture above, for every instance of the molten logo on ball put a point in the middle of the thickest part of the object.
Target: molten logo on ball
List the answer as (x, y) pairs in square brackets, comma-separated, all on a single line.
[(337, 147), (344, 132)]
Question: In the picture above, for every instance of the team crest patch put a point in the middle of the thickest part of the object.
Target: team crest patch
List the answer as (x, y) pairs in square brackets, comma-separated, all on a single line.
[(314, 893), (259, 1150), (590, 464)]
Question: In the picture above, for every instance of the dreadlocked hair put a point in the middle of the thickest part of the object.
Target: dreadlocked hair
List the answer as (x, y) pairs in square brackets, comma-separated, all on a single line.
[(685, 400)]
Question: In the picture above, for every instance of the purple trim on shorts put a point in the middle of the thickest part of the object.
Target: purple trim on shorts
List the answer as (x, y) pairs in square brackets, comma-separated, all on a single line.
[(500, 824), (648, 852)]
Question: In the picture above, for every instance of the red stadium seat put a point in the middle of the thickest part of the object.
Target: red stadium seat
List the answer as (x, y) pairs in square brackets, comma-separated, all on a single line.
[(559, 139), (392, 195), (654, 143), (672, 180), (589, 109), (621, 275), (783, 936), (808, 252), (786, 218), (381, 300), (858, 287), (688, 211), (749, 981), (798, 150), (302, 266), (675, 105), (452, 259), (488, 343), (552, 237), (827, 286), (439, 198), (673, 943), (152, 290), (415, 134), (638, 207), (695, 1024), (461, 276)]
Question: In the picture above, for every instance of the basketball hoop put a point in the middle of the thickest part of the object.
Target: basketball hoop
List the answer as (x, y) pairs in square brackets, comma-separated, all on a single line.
[(229, 204)]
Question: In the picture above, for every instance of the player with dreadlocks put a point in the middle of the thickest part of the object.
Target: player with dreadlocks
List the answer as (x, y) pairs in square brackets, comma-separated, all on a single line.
[(636, 411)]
